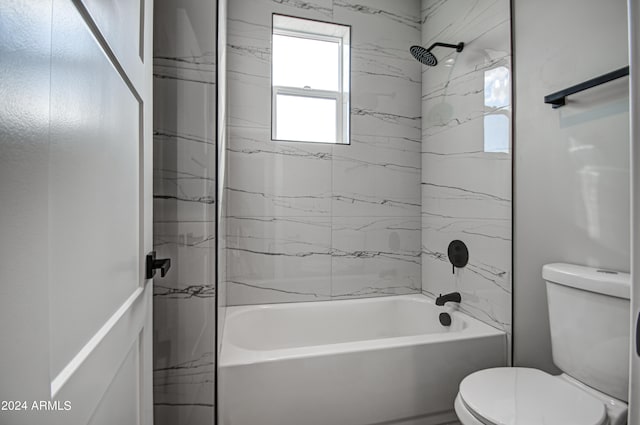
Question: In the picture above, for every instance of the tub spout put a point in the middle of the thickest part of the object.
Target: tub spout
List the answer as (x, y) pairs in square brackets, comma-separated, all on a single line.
[(452, 297)]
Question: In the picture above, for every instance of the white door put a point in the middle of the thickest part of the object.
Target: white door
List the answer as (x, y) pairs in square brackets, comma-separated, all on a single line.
[(634, 96), (75, 211)]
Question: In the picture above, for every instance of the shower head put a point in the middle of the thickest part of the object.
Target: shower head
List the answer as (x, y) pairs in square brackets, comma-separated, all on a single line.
[(423, 55), (426, 57)]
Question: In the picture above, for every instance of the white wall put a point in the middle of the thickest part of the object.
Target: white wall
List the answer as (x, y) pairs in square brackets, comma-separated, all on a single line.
[(571, 164)]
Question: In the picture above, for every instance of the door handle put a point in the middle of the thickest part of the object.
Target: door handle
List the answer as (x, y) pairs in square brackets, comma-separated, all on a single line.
[(152, 264), (638, 335)]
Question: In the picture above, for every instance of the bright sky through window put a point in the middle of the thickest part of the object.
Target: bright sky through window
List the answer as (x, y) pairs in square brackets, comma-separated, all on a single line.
[(310, 81), (303, 62), (497, 95)]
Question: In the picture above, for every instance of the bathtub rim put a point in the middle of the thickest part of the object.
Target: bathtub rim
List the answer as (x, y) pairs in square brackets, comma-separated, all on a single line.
[(232, 355)]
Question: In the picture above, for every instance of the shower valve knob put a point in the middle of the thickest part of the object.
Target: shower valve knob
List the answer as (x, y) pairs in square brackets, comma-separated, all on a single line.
[(458, 254)]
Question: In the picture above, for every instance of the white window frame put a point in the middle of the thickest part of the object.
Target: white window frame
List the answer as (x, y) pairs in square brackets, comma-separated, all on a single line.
[(341, 96)]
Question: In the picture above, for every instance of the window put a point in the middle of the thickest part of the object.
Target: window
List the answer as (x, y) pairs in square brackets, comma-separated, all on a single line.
[(310, 81), (497, 101)]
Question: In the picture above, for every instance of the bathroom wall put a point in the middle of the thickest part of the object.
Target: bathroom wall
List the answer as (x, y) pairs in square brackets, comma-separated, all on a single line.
[(466, 159), (311, 222), (572, 163), (184, 210)]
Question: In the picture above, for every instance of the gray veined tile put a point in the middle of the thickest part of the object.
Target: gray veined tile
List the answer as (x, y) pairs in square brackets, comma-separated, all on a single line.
[(187, 382), (447, 19), (475, 205), (373, 179), (252, 105), (191, 247), (269, 178), (163, 137), (321, 7), (486, 281), (401, 16), (184, 108), (191, 291), (372, 256), (259, 12), (378, 92), (184, 71), (184, 360), (487, 176), (193, 68), (277, 259), (183, 186), (184, 30)]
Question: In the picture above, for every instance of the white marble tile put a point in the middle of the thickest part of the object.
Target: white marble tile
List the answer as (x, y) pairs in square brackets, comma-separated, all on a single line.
[(449, 20), (278, 259), (193, 68), (459, 104), (478, 192), (252, 105), (373, 16), (184, 29), (283, 179), (384, 122), (249, 72), (183, 181), (466, 193), (184, 210), (373, 256), (453, 92), (184, 362), (184, 150), (191, 247), (249, 55), (376, 176), (384, 76), (188, 414), (259, 11), (185, 108)]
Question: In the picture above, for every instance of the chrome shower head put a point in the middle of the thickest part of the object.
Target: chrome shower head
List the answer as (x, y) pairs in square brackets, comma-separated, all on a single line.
[(425, 56)]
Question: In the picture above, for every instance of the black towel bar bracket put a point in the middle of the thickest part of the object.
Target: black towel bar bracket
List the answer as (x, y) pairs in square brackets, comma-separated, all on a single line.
[(557, 99)]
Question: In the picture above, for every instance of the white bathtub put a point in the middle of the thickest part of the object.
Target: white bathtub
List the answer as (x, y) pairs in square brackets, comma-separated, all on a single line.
[(367, 361)]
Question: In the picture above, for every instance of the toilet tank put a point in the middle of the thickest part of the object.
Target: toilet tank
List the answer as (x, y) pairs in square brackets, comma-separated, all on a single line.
[(589, 320)]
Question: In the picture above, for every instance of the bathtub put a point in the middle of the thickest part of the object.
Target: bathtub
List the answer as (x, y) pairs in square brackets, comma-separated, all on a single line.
[(351, 362)]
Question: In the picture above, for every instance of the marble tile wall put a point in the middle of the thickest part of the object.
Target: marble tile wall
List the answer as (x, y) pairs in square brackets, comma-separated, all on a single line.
[(307, 221), (184, 210), (466, 192)]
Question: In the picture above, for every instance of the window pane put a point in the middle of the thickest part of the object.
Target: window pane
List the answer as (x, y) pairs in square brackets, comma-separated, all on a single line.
[(497, 96), (497, 87), (496, 133), (308, 119), (301, 62)]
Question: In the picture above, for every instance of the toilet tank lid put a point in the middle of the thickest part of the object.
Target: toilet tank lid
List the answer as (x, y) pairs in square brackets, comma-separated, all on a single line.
[(601, 281)]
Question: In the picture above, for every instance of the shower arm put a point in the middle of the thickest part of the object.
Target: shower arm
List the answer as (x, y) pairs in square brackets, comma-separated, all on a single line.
[(458, 46)]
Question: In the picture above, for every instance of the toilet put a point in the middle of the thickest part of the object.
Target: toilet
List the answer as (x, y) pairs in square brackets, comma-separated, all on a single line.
[(589, 323)]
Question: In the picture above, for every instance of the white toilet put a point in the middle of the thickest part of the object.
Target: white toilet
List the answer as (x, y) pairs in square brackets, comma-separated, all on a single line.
[(589, 321)]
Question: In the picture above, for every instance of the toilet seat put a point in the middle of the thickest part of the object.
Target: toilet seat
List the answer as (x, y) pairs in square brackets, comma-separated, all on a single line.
[(523, 396)]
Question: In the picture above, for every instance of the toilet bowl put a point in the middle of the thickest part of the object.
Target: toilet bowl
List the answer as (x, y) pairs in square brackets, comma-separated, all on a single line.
[(523, 396), (589, 323)]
